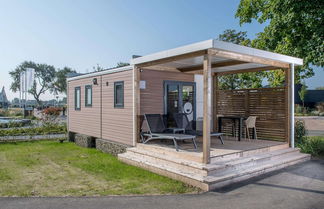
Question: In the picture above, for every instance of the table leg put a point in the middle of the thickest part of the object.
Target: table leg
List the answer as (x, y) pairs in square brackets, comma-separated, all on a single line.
[(234, 125), (240, 129), (219, 124)]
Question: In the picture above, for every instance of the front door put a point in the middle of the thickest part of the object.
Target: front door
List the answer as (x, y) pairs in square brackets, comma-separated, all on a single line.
[(179, 97)]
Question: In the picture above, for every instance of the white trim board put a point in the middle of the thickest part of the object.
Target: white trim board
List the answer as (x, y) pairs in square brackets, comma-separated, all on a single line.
[(104, 72)]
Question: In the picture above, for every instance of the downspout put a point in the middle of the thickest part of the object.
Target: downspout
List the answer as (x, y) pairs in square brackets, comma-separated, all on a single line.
[(67, 107), (101, 106), (292, 105)]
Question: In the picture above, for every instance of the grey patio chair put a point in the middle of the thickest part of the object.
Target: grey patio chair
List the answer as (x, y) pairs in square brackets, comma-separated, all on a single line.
[(182, 121), (250, 123), (157, 130)]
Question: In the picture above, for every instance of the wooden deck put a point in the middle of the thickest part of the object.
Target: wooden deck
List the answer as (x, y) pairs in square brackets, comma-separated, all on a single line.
[(229, 163), (230, 146)]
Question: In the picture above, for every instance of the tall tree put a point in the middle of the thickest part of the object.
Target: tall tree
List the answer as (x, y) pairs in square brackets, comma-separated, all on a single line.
[(235, 37), (240, 80), (59, 85), (295, 28), (44, 77)]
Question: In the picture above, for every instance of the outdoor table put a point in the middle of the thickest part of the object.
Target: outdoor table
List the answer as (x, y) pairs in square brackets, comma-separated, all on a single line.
[(233, 118)]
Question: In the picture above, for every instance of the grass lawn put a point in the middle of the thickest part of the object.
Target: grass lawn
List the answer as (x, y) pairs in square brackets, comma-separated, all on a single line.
[(50, 168)]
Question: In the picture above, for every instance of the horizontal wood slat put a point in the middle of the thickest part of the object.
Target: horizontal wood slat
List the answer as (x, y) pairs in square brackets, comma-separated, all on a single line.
[(268, 104)]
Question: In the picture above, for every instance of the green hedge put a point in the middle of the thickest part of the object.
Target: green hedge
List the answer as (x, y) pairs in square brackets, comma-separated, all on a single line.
[(313, 145), (42, 130)]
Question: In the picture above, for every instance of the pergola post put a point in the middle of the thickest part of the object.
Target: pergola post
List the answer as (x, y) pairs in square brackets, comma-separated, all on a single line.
[(136, 104), (207, 108), (292, 105), (215, 97)]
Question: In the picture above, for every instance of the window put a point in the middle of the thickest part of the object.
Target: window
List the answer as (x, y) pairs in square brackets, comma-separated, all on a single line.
[(88, 95), (119, 94), (77, 98)]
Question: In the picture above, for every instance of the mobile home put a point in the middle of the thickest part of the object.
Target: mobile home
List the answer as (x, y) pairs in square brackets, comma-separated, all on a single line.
[(108, 108)]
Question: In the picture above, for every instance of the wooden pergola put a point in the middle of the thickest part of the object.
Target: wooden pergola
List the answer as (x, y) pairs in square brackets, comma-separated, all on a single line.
[(213, 58)]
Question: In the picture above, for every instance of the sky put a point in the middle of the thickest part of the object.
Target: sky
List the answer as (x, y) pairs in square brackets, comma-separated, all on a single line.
[(81, 34)]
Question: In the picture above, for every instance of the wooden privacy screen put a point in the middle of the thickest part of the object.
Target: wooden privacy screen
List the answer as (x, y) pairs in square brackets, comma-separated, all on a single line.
[(268, 104)]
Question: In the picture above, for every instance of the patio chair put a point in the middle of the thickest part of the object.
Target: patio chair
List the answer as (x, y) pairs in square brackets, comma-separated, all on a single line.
[(157, 130), (182, 121), (250, 123)]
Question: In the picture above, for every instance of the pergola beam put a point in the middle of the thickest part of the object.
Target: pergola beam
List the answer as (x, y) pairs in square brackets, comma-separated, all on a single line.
[(162, 68), (246, 58), (248, 70), (174, 58), (213, 65)]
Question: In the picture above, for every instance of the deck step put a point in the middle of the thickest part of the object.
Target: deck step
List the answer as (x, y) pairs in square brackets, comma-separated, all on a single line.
[(184, 165), (252, 171), (247, 153), (225, 166), (166, 169), (171, 152)]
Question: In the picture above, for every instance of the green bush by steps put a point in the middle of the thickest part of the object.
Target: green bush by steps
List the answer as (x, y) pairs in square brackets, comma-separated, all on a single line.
[(313, 145)]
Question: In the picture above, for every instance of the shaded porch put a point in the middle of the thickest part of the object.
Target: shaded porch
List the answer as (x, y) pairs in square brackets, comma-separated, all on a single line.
[(212, 59)]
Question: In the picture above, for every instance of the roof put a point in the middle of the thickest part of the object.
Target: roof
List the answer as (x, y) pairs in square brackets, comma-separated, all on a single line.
[(216, 44), (220, 63), (225, 58)]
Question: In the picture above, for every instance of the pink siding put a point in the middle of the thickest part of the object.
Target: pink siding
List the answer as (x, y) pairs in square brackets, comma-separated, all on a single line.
[(152, 97), (117, 123), (86, 120)]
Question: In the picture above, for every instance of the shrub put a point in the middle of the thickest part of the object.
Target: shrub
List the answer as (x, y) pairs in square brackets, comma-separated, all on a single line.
[(54, 111), (300, 131), (42, 130), (51, 114), (298, 109), (11, 112), (320, 107), (313, 145)]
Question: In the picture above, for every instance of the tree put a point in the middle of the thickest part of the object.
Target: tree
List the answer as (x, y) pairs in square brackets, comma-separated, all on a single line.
[(59, 85), (119, 64), (295, 28), (44, 77), (239, 80), (97, 68), (234, 37), (122, 64), (302, 93)]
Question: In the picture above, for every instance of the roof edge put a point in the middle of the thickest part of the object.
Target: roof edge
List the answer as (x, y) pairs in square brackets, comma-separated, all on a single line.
[(227, 46), (103, 72)]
